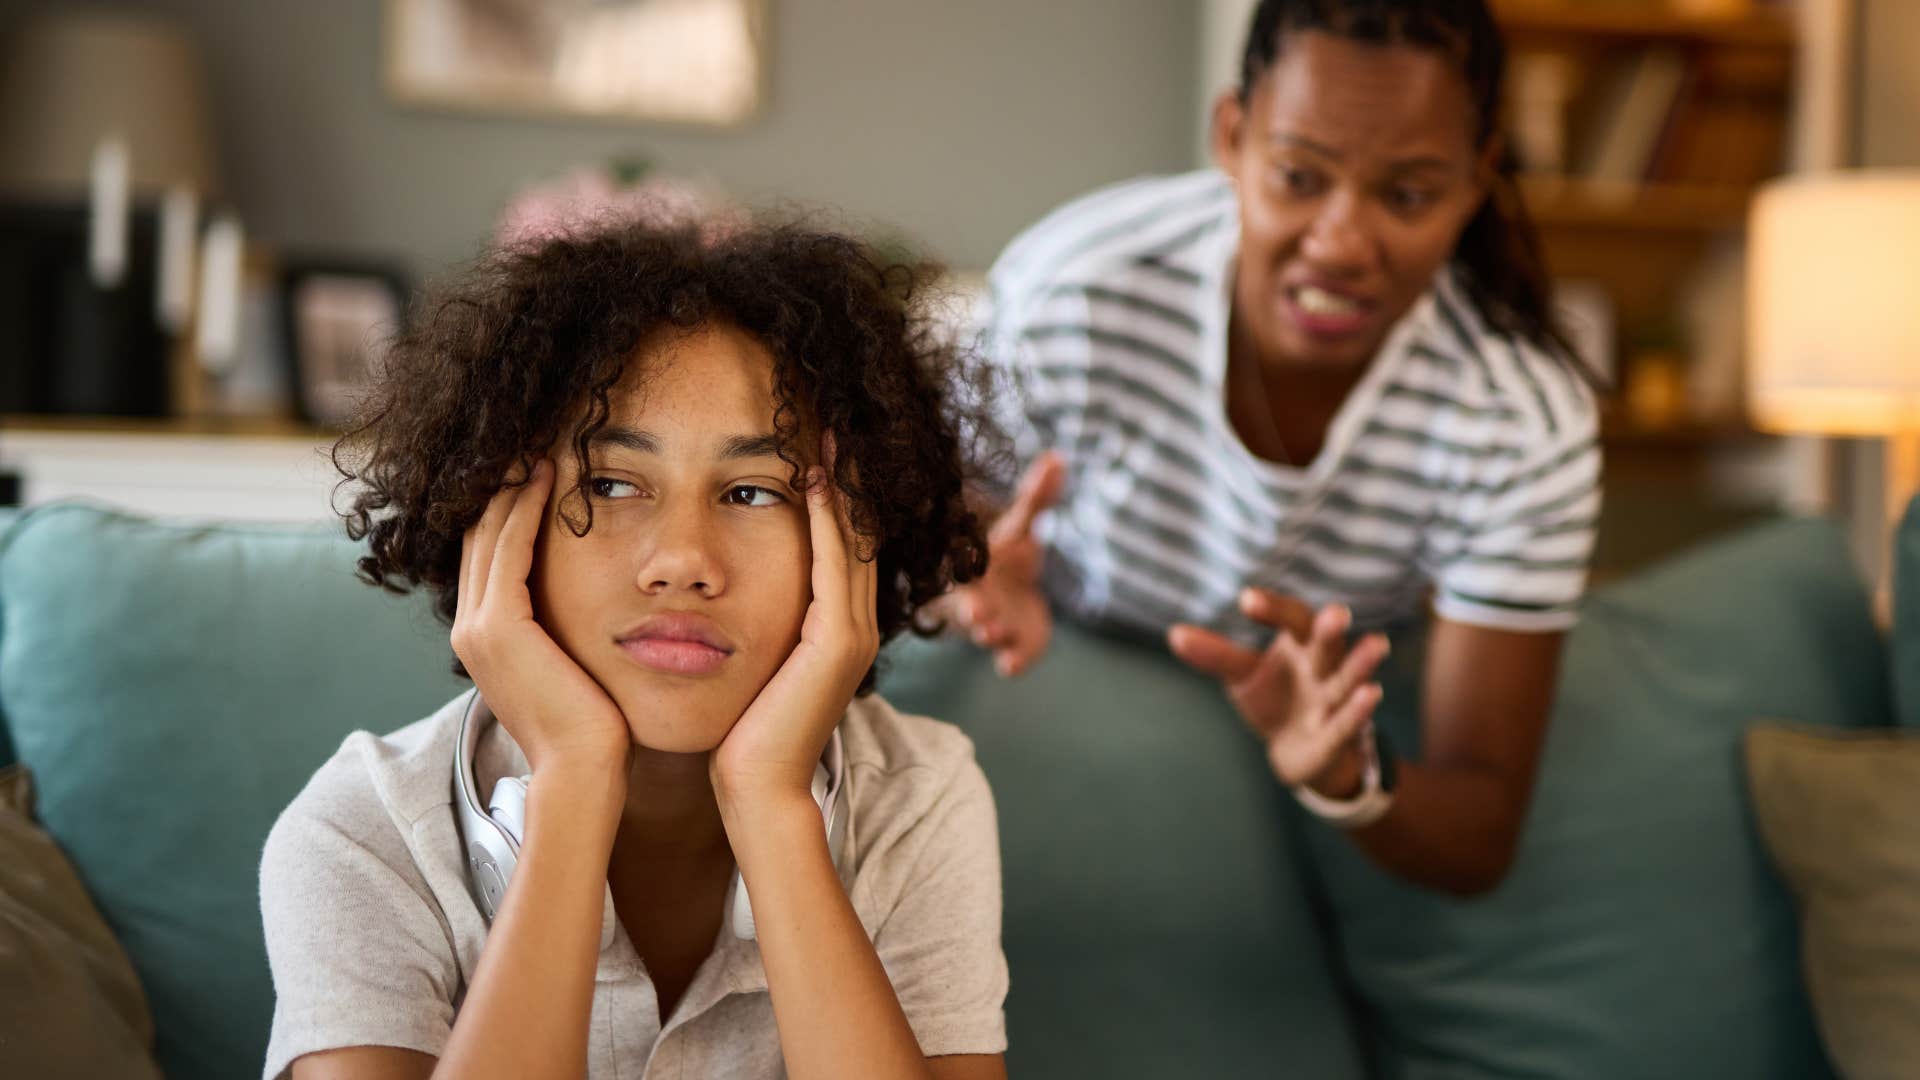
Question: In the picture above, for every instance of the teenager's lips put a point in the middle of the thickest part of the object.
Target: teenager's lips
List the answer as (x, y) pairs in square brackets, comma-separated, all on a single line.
[(676, 643)]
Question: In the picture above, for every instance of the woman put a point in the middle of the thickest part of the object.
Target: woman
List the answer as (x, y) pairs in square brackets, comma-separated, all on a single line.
[(1300, 394), (673, 491)]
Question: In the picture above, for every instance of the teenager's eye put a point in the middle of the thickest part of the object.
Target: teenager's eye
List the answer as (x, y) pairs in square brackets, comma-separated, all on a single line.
[(606, 487), (752, 495)]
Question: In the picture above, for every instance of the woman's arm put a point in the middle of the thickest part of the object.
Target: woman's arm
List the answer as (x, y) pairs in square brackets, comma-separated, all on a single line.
[(1457, 812)]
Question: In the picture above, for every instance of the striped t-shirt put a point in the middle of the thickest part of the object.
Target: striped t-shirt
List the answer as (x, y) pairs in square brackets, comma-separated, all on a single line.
[(1464, 465)]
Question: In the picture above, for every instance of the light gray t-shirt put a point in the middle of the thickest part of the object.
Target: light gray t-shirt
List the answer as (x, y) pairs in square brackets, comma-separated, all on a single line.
[(372, 934)]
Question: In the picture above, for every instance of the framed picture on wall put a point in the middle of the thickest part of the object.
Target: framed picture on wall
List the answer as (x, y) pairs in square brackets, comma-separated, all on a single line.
[(340, 318), (684, 61)]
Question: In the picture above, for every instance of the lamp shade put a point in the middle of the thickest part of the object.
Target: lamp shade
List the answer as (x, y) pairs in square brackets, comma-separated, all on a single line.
[(70, 80), (1833, 304)]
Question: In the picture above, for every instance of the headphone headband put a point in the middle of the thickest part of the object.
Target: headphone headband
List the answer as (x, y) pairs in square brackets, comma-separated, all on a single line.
[(492, 846)]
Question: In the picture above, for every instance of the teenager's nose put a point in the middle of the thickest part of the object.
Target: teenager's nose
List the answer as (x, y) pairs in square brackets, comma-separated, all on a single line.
[(681, 556)]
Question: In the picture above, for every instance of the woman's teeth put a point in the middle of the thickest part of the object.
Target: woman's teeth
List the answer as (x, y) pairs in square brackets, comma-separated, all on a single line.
[(1321, 302)]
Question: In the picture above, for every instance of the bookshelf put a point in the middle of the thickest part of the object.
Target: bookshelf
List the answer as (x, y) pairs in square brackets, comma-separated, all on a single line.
[(1763, 25), (1644, 129), (1559, 202), (264, 469)]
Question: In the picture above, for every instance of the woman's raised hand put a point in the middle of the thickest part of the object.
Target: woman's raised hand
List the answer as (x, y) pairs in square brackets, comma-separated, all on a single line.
[(1005, 611), (553, 709), (1306, 694)]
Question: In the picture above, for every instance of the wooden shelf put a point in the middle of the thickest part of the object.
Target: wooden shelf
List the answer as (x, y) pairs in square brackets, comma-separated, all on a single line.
[(1565, 202), (250, 426), (1762, 27), (1616, 430)]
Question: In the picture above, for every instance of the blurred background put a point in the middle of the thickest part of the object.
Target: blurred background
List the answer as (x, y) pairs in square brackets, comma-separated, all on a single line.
[(210, 210)]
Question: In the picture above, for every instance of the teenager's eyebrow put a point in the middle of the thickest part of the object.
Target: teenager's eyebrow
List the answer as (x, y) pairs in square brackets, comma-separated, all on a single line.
[(626, 439), (750, 446), (645, 442)]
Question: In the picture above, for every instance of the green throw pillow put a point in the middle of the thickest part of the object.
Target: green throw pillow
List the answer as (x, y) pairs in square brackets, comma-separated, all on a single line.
[(1841, 814), (1641, 932), (1156, 923), (172, 688), (1906, 617)]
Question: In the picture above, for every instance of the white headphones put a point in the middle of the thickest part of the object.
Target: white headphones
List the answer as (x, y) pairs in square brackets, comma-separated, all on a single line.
[(492, 836)]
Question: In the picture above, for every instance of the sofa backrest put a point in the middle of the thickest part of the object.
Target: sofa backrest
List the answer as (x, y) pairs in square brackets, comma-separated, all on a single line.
[(172, 687)]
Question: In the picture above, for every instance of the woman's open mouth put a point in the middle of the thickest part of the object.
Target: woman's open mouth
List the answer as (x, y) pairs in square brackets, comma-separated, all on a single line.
[(1325, 313)]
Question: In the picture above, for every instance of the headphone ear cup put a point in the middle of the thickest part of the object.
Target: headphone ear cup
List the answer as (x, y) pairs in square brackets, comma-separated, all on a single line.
[(739, 908), (508, 806)]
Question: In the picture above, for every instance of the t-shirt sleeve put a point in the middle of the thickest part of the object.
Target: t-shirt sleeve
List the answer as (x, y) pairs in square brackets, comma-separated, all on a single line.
[(1527, 530), (358, 950), (1037, 383), (941, 943)]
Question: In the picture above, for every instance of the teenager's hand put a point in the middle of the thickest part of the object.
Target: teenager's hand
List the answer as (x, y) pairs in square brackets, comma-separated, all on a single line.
[(775, 745), (1306, 695), (547, 702), (1005, 610)]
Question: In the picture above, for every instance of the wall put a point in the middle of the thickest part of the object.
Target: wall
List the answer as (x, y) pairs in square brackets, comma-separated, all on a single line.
[(1222, 35), (1890, 83), (1888, 135), (957, 122)]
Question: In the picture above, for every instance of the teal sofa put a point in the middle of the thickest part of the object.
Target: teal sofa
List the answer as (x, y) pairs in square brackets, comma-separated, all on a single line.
[(1169, 913)]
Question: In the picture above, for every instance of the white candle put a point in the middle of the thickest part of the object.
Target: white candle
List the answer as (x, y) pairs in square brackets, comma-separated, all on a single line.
[(173, 293), (218, 339), (107, 213)]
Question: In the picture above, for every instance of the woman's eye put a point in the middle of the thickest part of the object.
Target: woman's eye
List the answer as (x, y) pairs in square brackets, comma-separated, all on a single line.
[(752, 495), (1408, 199), (1300, 181), (605, 487)]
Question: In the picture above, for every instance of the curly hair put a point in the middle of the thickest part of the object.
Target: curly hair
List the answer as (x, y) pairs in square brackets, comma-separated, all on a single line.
[(524, 349)]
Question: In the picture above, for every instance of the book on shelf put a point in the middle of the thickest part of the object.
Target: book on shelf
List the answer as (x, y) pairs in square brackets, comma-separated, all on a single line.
[(1630, 114), (1656, 115), (1730, 127)]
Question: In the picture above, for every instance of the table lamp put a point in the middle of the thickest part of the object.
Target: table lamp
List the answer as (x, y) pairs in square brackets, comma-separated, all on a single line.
[(71, 79), (106, 159), (1833, 316)]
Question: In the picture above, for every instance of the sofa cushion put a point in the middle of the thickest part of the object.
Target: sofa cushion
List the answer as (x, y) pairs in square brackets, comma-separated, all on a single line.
[(1840, 812), (85, 1016), (1906, 617), (1156, 923), (1641, 932), (172, 687)]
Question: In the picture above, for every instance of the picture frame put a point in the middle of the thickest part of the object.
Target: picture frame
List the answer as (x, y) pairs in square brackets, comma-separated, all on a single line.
[(338, 319), (691, 62)]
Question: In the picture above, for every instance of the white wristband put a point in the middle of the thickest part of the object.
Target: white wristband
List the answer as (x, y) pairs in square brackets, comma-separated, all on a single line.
[(1369, 806)]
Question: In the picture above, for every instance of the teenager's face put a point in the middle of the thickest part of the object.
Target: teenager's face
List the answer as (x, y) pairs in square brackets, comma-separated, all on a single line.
[(688, 592), (1357, 169)]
